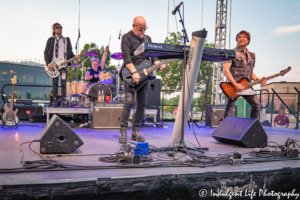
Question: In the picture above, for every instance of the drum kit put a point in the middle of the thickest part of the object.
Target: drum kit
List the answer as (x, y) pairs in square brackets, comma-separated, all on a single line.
[(80, 93)]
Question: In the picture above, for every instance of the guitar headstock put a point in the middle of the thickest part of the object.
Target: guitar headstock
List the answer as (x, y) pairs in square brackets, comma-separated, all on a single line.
[(14, 80), (283, 72)]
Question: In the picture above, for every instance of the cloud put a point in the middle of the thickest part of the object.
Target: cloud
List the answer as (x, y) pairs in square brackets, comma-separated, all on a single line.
[(286, 30)]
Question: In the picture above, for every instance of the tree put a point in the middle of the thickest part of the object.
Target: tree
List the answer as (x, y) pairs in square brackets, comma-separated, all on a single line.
[(281, 107), (172, 75), (87, 64), (292, 108), (269, 108)]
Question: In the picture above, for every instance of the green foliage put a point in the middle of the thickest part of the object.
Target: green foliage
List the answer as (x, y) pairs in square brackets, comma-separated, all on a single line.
[(87, 64), (172, 75), (269, 108), (281, 107), (292, 108)]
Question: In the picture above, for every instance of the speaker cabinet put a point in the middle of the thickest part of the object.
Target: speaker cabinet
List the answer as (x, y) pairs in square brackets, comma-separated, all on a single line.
[(153, 98), (58, 138), (106, 115), (214, 115), (244, 132)]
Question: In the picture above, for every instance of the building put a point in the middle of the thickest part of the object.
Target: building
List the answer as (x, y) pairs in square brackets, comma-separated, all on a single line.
[(286, 92), (28, 73)]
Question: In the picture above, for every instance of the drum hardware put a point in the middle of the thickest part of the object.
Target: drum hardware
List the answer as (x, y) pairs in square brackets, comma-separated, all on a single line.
[(117, 56)]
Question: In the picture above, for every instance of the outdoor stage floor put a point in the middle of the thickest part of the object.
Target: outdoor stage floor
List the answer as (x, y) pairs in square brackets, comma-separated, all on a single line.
[(106, 142)]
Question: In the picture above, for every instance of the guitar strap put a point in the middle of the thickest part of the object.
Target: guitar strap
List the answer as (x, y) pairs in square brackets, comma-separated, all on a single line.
[(66, 45)]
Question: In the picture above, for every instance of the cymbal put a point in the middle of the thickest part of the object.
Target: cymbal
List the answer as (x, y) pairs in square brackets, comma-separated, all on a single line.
[(115, 71), (117, 56), (93, 53), (75, 65)]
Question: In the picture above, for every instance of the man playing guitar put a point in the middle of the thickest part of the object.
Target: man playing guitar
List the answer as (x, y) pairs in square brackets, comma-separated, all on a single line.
[(55, 48), (130, 42), (242, 66)]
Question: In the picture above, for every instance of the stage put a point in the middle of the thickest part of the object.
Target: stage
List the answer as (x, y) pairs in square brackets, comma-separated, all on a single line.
[(117, 182)]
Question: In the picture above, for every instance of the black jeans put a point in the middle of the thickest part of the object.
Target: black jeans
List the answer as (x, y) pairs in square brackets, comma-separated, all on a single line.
[(252, 100), (141, 98), (63, 83)]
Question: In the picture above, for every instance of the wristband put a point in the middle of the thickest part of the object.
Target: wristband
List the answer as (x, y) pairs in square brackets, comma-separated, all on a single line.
[(134, 72)]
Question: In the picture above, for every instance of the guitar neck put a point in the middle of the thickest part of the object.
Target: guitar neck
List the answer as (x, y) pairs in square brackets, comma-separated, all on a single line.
[(267, 78), (12, 97), (67, 61), (155, 67)]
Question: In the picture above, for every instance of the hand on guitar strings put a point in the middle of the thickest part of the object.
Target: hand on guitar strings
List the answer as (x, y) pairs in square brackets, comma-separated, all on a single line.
[(239, 87), (51, 67), (136, 78)]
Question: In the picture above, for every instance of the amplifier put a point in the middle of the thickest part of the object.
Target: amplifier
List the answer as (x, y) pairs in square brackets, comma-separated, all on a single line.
[(214, 115), (106, 115)]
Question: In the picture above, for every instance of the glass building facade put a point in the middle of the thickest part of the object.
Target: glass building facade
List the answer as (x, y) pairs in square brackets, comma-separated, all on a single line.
[(27, 74)]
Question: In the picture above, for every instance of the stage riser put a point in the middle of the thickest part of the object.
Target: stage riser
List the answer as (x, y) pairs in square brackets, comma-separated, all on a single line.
[(185, 186)]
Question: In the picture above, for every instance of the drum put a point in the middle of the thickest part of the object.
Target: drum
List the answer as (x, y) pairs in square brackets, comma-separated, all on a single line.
[(81, 86), (76, 88), (105, 77), (93, 91), (69, 88)]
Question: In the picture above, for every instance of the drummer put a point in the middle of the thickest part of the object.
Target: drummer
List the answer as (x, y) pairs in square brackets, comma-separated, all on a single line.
[(92, 75)]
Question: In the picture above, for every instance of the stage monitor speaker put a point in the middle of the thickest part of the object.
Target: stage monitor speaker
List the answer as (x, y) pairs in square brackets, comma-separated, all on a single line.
[(214, 115), (58, 138), (244, 132), (106, 115), (153, 98)]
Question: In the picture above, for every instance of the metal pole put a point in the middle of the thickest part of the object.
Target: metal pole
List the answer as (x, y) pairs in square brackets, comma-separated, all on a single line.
[(298, 107), (272, 109)]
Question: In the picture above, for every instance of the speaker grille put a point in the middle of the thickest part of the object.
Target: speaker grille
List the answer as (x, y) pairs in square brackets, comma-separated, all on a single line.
[(106, 115), (245, 132)]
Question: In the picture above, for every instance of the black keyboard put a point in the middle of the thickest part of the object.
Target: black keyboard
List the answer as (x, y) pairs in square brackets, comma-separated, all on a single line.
[(169, 51)]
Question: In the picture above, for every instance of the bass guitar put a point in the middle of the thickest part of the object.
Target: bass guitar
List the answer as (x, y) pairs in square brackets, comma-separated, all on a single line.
[(60, 63), (10, 117), (144, 69), (230, 91)]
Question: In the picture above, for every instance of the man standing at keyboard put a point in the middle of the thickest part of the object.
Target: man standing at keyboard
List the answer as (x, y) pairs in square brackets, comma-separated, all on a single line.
[(242, 66), (130, 42)]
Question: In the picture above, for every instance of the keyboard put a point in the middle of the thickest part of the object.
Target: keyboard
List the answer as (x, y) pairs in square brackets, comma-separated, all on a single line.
[(169, 51)]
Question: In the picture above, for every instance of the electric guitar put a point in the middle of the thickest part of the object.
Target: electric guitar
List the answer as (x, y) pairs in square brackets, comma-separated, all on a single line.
[(10, 118), (60, 63), (230, 91), (144, 69)]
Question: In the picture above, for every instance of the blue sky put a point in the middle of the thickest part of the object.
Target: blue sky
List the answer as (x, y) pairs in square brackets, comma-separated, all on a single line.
[(274, 26)]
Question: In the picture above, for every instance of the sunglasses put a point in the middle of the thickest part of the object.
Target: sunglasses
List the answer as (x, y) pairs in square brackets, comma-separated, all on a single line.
[(142, 28), (58, 27)]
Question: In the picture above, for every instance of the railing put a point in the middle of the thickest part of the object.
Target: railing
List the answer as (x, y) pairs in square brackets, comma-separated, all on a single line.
[(295, 115)]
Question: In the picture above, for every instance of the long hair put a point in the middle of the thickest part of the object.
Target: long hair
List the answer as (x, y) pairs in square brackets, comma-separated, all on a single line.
[(53, 27)]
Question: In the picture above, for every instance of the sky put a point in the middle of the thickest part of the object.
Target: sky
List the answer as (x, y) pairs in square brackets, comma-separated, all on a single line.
[(274, 26)]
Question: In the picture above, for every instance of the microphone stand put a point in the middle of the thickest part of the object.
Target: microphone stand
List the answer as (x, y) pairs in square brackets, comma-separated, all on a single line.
[(181, 146), (185, 40)]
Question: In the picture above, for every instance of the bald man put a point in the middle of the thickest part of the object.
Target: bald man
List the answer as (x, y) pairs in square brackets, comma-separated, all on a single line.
[(130, 42)]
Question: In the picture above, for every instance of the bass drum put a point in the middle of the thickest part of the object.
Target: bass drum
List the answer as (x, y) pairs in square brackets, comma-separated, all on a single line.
[(93, 91)]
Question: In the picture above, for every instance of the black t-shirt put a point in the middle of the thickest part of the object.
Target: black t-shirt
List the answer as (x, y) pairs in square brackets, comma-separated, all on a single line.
[(130, 42), (92, 72)]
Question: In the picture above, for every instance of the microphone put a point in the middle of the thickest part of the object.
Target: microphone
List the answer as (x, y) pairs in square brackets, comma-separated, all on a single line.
[(257, 150), (176, 9)]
